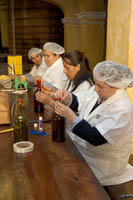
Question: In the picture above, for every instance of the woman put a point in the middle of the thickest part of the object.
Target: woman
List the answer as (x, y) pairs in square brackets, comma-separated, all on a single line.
[(39, 67), (77, 70), (104, 126), (54, 74)]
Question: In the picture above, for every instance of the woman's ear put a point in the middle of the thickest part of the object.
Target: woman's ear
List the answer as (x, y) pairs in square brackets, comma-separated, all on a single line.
[(78, 67), (57, 55)]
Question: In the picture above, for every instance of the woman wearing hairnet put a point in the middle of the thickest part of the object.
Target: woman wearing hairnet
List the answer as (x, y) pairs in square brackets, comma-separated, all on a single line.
[(54, 74), (77, 70), (36, 56), (104, 127)]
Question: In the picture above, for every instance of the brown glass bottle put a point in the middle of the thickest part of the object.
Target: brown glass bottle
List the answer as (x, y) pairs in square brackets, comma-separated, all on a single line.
[(38, 107), (58, 128), (20, 124)]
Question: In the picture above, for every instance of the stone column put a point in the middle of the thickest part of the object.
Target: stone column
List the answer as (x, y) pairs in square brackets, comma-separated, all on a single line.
[(71, 34), (93, 29), (120, 34)]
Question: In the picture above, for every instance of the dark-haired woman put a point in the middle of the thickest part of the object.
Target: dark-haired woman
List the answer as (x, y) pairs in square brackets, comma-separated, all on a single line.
[(77, 69)]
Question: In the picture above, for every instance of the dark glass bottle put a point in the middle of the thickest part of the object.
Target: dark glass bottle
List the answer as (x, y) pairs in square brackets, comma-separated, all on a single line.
[(38, 107), (58, 128), (20, 124)]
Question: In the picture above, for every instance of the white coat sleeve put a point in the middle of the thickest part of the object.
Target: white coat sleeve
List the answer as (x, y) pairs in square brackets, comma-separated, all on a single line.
[(33, 71), (114, 125), (58, 80)]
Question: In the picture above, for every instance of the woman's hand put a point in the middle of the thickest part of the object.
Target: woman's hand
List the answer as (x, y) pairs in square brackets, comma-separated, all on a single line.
[(22, 78), (37, 78), (44, 98), (13, 77), (47, 89), (63, 94), (65, 111)]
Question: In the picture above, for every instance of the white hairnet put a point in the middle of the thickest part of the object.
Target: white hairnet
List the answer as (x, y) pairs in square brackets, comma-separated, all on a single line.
[(34, 51), (54, 48), (114, 74)]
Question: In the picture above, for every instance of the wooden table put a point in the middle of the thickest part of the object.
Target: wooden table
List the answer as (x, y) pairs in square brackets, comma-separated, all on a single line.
[(52, 171)]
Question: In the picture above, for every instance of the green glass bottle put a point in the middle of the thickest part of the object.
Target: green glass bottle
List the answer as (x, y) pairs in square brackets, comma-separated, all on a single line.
[(20, 124)]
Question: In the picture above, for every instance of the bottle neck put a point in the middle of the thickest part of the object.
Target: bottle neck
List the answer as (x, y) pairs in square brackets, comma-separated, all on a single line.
[(19, 108), (59, 100), (39, 85)]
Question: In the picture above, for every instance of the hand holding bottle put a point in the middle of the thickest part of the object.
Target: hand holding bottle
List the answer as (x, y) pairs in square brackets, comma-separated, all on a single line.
[(64, 111), (38, 106), (45, 99), (63, 94), (37, 77)]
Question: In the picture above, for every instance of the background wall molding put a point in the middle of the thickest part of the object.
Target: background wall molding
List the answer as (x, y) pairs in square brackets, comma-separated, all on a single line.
[(92, 15), (70, 21)]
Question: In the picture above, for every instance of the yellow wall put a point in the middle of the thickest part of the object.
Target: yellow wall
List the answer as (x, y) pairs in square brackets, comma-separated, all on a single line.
[(92, 42), (96, 5), (120, 33), (130, 57), (72, 36), (118, 23)]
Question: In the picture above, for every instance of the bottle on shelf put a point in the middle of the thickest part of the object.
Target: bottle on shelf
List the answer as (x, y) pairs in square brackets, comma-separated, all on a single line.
[(38, 107), (58, 127), (20, 124)]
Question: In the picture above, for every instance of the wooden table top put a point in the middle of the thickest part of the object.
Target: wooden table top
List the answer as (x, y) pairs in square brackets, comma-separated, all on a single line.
[(52, 171)]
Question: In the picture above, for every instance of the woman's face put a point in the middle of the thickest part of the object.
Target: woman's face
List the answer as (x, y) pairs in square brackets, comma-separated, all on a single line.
[(104, 90), (49, 57), (36, 59), (70, 70)]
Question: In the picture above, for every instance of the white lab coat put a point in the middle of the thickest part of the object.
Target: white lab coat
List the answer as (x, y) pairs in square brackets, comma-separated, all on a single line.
[(83, 87), (39, 70), (55, 75), (112, 118)]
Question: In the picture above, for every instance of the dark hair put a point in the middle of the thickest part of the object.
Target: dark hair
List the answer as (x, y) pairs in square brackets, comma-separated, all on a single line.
[(76, 57)]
